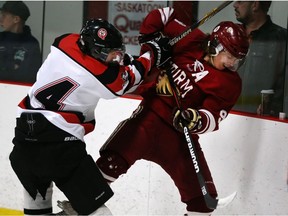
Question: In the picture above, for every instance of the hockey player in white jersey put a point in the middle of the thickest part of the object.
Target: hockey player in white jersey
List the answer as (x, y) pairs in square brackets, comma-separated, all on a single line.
[(58, 112)]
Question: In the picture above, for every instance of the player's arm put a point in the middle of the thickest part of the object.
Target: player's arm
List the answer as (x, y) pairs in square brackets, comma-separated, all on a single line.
[(198, 121), (130, 76), (203, 119), (160, 20), (156, 20), (155, 54)]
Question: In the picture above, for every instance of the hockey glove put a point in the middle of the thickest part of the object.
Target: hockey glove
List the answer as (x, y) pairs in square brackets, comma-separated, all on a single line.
[(144, 38), (127, 60), (160, 49), (190, 117)]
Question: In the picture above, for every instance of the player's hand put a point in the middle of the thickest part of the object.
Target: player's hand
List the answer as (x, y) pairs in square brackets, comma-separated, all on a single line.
[(190, 117), (144, 38), (127, 60), (160, 49)]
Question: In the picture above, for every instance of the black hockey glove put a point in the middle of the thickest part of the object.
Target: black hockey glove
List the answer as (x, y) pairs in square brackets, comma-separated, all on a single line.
[(160, 49), (127, 60), (144, 38), (190, 117)]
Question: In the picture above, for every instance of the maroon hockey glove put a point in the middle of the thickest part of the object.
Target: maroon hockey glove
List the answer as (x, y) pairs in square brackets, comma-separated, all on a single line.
[(190, 117)]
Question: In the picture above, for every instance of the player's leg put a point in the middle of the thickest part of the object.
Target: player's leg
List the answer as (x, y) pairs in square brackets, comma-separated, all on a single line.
[(86, 189), (29, 162), (83, 188), (35, 202), (130, 141), (39, 205), (174, 157), (48, 157), (24, 160)]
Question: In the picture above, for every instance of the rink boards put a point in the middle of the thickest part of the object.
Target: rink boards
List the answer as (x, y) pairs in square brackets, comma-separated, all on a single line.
[(247, 155)]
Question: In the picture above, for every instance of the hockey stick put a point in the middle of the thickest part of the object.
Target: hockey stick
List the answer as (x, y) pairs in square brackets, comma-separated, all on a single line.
[(211, 202), (199, 22)]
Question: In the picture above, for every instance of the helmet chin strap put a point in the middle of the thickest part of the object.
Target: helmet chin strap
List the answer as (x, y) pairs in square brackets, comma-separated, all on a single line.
[(211, 60)]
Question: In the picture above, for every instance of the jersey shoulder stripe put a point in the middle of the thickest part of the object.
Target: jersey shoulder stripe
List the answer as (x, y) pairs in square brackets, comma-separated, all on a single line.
[(68, 44)]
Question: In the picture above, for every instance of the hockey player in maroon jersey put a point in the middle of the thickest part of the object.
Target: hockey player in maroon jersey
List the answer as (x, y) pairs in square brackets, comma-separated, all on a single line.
[(59, 110), (203, 69)]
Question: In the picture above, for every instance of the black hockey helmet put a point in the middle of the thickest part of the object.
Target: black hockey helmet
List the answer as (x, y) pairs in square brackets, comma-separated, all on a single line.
[(98, 38)]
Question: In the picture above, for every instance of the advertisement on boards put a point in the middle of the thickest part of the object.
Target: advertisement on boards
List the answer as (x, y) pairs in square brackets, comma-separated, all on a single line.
[(127, 16)]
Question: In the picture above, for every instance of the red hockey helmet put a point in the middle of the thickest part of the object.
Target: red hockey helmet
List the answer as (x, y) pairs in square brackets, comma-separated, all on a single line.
[(231, 37)]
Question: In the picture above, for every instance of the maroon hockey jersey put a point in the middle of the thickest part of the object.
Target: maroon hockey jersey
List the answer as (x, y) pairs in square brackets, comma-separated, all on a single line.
[(212, 92)]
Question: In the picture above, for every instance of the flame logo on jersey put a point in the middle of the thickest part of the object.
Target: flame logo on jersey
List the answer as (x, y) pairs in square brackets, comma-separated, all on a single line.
[(163, 86), (102, 33)]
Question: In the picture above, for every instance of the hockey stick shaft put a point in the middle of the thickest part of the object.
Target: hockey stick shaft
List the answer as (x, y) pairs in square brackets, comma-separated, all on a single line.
[(199, 22), (210, 202)]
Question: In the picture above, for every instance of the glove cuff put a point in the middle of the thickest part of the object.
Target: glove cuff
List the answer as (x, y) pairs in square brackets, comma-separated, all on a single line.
[(146, 47)]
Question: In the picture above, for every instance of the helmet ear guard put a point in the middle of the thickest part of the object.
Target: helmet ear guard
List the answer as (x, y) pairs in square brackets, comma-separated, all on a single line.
[(232, 37), (214, 47), (94, 52), (97, 53)]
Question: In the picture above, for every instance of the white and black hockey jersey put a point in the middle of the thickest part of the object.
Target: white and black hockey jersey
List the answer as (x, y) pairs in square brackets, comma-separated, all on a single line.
[(69, 85)]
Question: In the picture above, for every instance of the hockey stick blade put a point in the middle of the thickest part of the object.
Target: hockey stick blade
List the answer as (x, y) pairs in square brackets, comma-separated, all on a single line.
[(223, 202)]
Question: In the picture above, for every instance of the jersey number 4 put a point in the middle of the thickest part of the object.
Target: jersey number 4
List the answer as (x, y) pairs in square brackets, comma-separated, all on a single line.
[(53, 94)]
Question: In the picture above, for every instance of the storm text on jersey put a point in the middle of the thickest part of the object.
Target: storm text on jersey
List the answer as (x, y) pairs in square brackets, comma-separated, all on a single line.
[(181, 79)]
